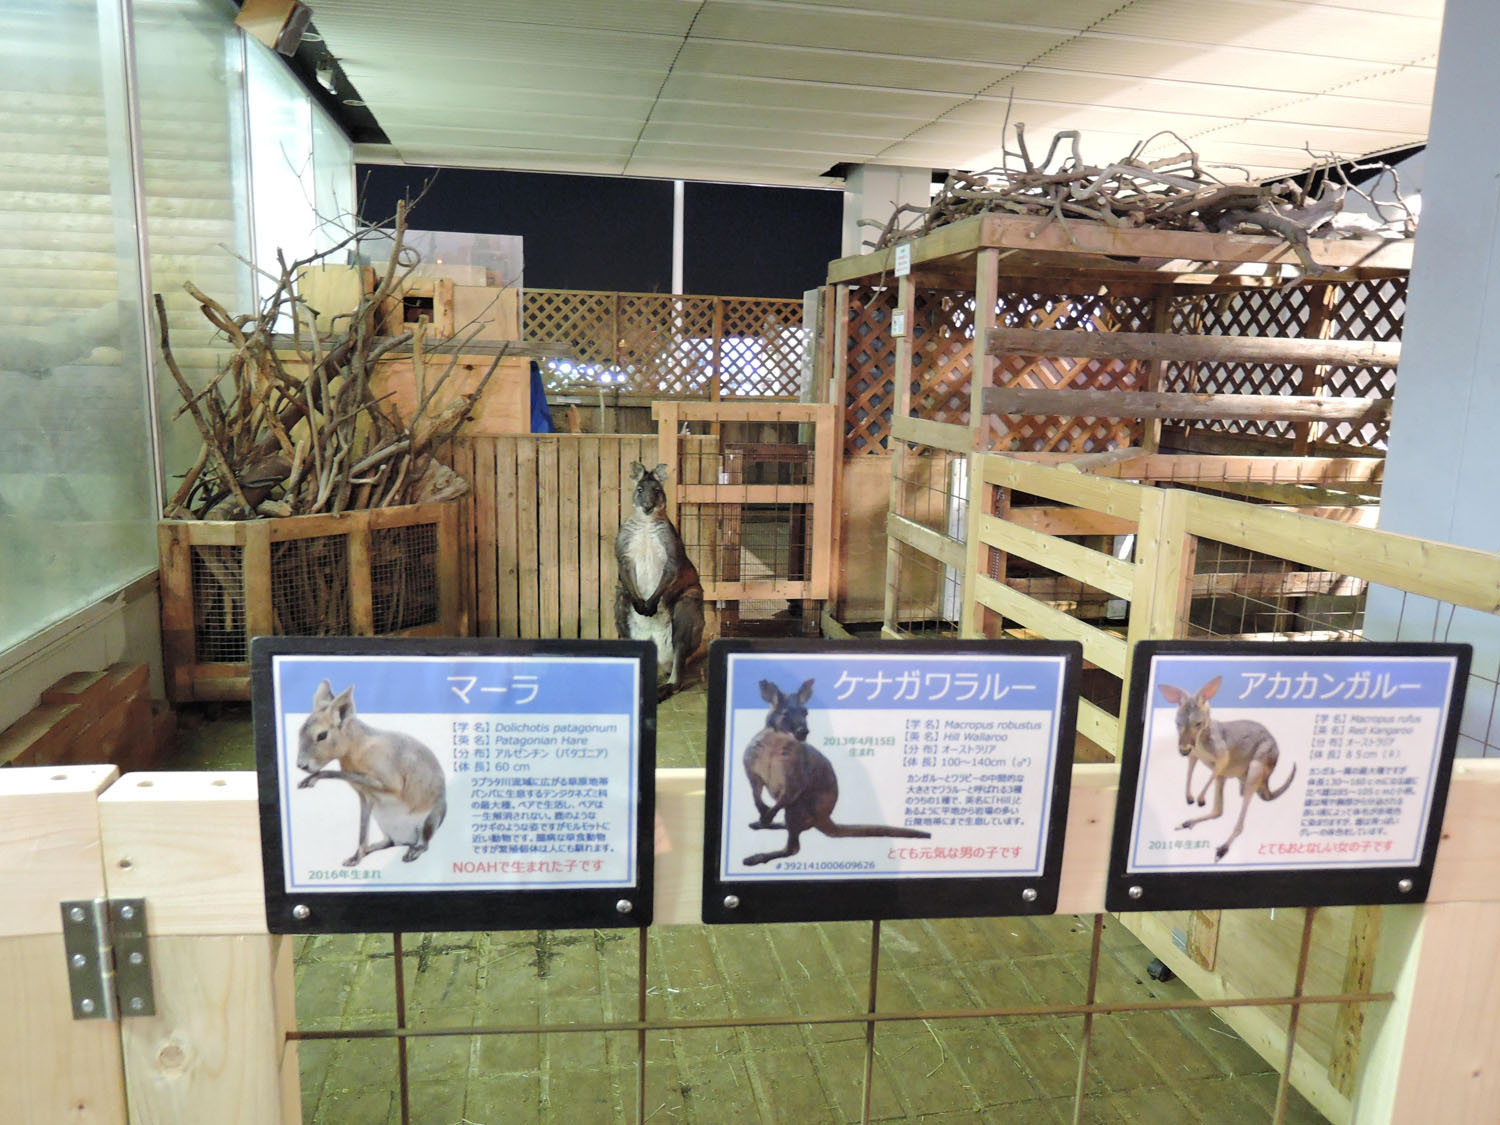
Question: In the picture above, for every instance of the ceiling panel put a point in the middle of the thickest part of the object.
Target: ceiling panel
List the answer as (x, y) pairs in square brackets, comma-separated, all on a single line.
[(776, 91)]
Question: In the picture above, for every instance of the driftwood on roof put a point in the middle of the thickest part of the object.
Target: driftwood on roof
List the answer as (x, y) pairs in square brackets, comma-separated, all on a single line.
[(290, 426), (1173, 193)]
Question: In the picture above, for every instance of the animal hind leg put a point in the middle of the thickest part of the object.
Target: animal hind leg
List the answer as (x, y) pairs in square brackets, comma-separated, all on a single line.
[(795, 826), (687, 633), (1255, 777), (1218, 806)]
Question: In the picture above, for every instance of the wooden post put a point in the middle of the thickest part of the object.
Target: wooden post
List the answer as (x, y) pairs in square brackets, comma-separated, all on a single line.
[(981, 434), (56, 1068), (900, 408), (839, 372), (1161, 322), (216, 1049), (1164, 558)]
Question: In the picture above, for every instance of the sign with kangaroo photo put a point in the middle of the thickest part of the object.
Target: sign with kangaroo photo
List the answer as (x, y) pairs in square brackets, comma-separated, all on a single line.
[(1284, 774), (874, 779), (412, 784)]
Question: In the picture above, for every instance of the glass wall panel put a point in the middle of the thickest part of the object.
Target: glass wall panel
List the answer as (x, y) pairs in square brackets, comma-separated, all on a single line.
[(77, 492), (190, 61)]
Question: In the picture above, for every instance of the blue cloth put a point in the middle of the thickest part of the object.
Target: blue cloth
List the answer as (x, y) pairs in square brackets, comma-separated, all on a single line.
[(541, 417)]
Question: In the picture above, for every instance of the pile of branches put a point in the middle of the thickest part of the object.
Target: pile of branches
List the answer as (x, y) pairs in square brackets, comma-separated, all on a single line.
[(1173, 193), (290, 426)]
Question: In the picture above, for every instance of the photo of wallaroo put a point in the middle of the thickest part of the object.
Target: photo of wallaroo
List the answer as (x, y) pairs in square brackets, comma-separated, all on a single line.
[(1238, 748), (398, 779), (799, 780)]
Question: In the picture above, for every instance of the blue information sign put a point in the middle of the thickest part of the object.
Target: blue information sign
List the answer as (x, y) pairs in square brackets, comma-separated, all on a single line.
[(492, 779)]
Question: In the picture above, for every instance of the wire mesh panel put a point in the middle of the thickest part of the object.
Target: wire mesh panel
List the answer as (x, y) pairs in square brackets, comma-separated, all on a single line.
[(310, 586), (403, 577), (1242, 594), (219, 604)]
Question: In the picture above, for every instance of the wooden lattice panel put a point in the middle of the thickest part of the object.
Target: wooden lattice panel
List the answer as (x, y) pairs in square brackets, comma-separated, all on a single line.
[(1364, 310), (1244, 312), (669, 346), (1092, 313), (761, 343), (942, 356), (869, 390), (583, 321)]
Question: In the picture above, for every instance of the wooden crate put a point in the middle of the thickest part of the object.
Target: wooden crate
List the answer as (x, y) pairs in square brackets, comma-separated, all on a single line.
[(387, 572)]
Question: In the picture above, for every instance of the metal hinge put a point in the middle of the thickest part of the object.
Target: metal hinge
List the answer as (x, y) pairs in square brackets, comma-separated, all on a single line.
[(109, 965)]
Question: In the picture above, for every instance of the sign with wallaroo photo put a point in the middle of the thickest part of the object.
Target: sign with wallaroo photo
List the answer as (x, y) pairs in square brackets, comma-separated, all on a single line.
[(1284, 773), (852, 780), (475, 784)]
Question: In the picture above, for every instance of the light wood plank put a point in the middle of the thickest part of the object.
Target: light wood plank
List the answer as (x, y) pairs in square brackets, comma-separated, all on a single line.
[(939, 435), (361, 607), (931, 543), (569, 576), (528, 545), (1095, 568), (488, 500), (747, 493), (1098, 725), (590, 491), (507, 544), (1099, 647), (1172, 404), (1178, 347), (1110, 497)]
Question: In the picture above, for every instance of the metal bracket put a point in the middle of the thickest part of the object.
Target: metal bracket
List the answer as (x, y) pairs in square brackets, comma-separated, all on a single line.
[(109, 963)]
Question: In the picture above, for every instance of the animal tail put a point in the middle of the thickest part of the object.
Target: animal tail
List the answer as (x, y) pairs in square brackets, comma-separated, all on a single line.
[(832, 829), (1271, 794)]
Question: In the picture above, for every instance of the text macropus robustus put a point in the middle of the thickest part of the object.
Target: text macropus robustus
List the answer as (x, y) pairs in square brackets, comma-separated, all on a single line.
[(398, 780), (798, 778), (1240, 748)]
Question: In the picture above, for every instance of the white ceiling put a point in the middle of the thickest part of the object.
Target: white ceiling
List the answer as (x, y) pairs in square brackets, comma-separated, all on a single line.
[(777, 91)]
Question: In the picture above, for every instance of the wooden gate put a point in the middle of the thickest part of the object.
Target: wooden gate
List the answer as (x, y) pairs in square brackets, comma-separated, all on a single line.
[(538, 530)]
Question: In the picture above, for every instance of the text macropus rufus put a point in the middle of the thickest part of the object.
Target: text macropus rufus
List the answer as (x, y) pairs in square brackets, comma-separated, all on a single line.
[(658, 597), (1239, 748), (397, 779), (799, 779)]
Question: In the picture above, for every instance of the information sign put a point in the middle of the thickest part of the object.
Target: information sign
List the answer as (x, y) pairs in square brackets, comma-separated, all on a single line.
[(871, 779), (1284, 774), (454, 784)]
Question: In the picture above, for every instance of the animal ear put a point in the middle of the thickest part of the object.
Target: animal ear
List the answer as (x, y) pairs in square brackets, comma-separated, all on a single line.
[(661, 472), (343, 704), (1210, 689), (637, 470), (770, 692), (1172, 694), (324, 695), (804, 693)]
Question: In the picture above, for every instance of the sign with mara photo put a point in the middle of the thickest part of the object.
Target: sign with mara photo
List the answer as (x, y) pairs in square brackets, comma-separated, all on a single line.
[(874, 779), (414, 784), (1284, 774)]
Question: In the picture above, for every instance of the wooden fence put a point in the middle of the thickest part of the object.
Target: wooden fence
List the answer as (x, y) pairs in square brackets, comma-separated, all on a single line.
[(1207, 566), (538, 530)]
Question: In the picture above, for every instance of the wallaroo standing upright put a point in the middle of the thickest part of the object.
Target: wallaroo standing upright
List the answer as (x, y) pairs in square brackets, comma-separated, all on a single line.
[(659, 597)]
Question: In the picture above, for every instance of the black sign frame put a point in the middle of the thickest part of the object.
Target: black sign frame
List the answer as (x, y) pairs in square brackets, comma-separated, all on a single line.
[(1238, 888), (890, 896), (299, 912)]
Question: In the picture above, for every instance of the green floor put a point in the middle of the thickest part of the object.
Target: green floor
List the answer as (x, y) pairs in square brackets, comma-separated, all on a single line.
[(1152, 1067)]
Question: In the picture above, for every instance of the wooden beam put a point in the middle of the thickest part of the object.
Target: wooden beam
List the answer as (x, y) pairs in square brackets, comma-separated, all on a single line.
[(931, 543), (1101, 648), (1193, 468), (1176, 404), (1175, 347), (1105, 572), (938, 435)]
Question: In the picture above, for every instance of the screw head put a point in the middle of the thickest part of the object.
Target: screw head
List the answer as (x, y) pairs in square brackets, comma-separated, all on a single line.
[(731, 902), (127, 912), (1404, 886), (78, 960), (301, 912), (624, 906), (76, 914), (1135, 892), (137, 1004), (85, 1005), (136, 957), (1028, 895)]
